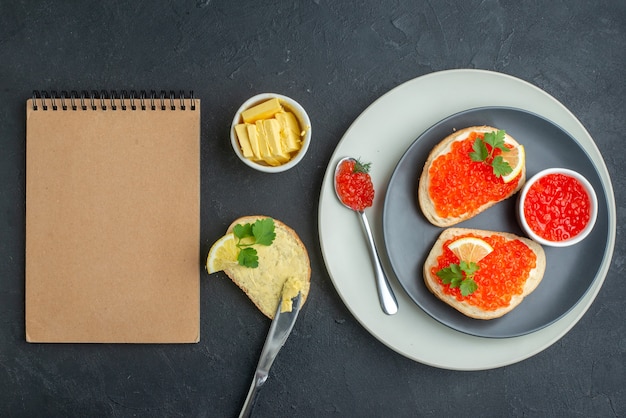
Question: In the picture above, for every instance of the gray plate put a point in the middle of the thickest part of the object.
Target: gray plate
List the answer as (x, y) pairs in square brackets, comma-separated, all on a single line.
[(408, 236)]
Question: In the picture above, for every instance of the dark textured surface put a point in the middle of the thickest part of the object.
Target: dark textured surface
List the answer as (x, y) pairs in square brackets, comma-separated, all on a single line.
[(335, 58)]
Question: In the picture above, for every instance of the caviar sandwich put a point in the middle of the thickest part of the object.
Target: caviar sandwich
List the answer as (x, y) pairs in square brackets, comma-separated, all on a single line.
[(469, 171), (483, 274)]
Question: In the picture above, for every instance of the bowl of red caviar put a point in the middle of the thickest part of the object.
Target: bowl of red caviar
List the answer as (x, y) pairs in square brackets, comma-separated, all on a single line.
[(557, 207)]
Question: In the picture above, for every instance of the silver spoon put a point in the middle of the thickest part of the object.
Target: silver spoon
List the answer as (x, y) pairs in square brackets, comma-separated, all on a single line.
[(385, 295)]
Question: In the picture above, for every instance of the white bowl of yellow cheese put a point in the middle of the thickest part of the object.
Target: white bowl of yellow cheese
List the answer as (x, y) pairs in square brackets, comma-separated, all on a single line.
[(270, 132)]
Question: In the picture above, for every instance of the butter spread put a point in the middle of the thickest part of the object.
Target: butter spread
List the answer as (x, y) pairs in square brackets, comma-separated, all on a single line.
[(262, 111), (284, 264), (269, 134), (292, 286)]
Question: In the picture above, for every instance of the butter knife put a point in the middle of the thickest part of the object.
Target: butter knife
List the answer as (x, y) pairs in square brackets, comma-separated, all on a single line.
[(279, 331)]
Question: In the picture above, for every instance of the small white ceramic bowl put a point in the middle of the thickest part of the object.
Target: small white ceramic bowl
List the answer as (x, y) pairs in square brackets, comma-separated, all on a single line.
[(290, 105), (593, 201)]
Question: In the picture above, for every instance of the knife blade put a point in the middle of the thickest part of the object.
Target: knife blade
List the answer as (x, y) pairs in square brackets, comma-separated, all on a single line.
[(276, 337)]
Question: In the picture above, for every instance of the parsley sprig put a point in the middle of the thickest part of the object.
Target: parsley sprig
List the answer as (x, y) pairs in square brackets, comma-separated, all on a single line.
[(481, 152), (460, 275), (261, 232), (360, 167)]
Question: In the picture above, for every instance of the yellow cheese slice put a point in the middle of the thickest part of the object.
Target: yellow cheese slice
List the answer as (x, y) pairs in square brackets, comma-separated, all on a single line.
[(264, 148), (244, 141), (261, 111), (289, 131), (253, 137), (272, 135)]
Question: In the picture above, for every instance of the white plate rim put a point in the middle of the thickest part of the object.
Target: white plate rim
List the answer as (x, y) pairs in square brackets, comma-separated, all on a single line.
[(381, 134)]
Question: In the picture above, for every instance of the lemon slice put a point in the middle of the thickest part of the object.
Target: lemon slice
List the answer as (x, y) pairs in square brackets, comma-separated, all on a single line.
[(223, 253), (470, 249), (515, 157)]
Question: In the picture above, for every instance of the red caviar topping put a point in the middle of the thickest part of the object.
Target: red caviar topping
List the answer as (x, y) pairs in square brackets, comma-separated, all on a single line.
[(501, 274), (354, 185), (459, 185), (557, 207)]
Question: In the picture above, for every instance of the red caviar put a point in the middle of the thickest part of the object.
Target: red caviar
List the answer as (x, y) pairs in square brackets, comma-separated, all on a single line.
[(557, 207), (459, 185), (354, 185), (500, 276)]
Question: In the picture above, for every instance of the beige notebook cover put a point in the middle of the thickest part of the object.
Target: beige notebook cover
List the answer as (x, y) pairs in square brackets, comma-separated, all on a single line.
[(113, 220)]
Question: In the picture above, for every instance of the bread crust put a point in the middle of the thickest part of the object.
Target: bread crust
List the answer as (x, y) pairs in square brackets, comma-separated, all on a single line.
[(534, 277), (269, 309), (443, 147)]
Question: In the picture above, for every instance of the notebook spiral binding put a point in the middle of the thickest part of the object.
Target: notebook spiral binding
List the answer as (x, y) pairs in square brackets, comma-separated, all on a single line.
[(111, 100)]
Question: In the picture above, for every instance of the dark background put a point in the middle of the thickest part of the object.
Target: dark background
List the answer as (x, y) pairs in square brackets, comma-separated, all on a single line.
[(335, 58)]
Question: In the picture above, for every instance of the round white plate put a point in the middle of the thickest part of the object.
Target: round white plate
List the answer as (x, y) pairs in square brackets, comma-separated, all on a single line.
[(381, 135)]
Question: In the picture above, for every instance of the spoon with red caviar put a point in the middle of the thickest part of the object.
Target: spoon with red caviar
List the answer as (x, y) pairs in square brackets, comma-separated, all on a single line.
[(355, 191)]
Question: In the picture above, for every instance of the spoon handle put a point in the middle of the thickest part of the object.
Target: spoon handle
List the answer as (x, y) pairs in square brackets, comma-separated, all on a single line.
[(387, 299)]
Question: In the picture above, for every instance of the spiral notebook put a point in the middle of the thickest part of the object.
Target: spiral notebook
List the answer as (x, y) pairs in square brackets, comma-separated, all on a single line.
[(112, 217)]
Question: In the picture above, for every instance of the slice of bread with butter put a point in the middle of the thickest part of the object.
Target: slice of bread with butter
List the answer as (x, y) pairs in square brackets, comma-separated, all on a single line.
[(284, 268)]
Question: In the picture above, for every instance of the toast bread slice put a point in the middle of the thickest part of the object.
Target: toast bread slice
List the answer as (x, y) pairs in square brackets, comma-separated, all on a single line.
[(443, 147), (432, 282), (286, 259)]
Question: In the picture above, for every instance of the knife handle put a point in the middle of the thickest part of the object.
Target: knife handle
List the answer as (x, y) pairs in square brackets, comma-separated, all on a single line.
[(246, 410), (279, 331)]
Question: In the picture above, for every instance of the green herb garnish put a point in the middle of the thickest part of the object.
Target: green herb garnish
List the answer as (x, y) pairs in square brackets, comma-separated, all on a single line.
[(360, 167), (460, 275), (260, 232), (481, 152)]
